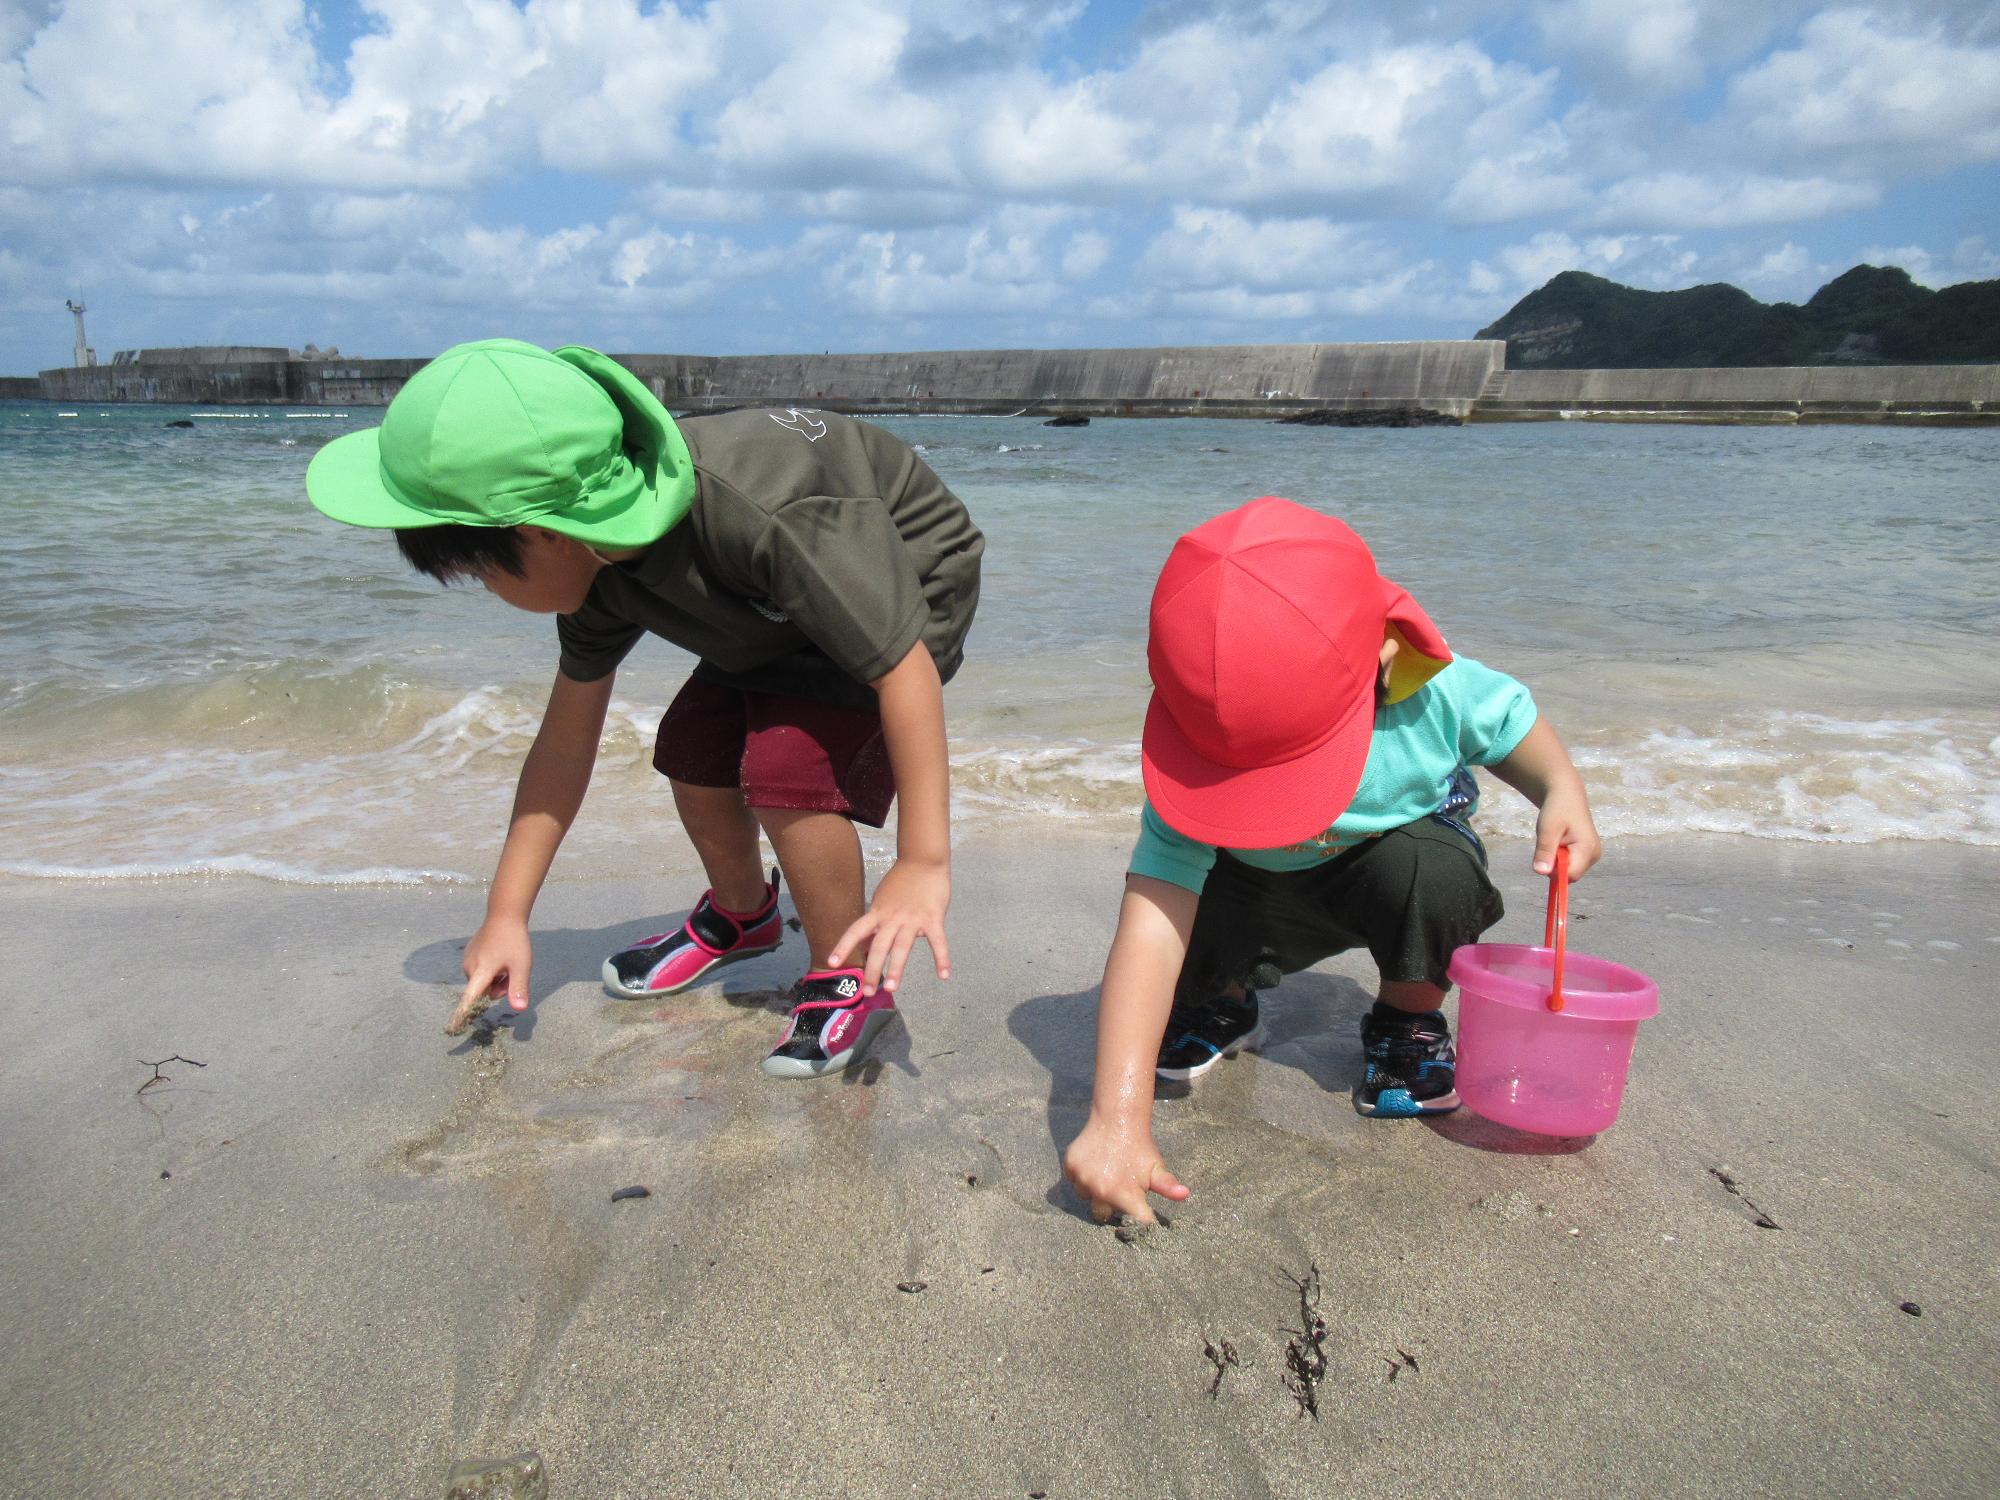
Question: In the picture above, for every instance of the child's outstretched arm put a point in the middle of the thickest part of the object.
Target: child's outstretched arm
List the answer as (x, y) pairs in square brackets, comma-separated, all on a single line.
[(910, 902), (554, 778), (1113, 1162), (1539, 768)]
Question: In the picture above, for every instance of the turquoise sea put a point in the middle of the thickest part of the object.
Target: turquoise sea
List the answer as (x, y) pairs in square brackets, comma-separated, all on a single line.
[(1774, 633)]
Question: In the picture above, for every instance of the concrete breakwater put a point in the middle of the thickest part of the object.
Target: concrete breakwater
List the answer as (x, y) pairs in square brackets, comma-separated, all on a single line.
[(1242, 380), (1933, 394), (258, 382), (1225, 380), (1464, 379)]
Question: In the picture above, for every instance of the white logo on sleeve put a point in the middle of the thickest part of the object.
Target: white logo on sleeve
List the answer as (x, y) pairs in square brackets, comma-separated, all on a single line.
[(804, 424)]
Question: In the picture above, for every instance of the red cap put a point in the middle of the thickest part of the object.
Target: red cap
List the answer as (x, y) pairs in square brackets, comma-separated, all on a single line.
[(1265, 645)]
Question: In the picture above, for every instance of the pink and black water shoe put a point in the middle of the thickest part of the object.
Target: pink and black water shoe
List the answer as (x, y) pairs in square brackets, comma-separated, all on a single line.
[(668, 962), (831, 1027)]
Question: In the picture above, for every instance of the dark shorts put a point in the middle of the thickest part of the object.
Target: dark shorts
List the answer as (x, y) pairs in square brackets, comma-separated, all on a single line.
[(783, 752), (1409, 896)]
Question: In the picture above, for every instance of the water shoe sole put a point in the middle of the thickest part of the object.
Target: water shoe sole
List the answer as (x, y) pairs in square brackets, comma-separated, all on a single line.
[(872, 1026), (625, 991), (1396, 1104), (1248, 1042)]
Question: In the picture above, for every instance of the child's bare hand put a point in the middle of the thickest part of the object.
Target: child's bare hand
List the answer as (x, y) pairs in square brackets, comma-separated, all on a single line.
[(909, 904), (1113, 1169), (1565, 820), (497, 961)]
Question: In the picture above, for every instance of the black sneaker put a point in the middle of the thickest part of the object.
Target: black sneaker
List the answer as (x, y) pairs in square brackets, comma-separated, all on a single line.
[(1200, 1036), (1411, 1067)]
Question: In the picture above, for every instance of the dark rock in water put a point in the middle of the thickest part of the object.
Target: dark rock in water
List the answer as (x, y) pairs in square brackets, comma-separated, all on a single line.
[(182, 422), (518, 1478), (1067, 422), (1911, 1308), (1380, 416)]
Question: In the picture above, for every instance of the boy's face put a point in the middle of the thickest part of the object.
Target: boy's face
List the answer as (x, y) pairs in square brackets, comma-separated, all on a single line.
[(556, 574)]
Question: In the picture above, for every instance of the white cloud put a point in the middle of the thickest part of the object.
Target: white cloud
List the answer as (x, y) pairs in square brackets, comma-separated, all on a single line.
[(445, 93), (1219, 248), (1272, 309), (1786, 274), (1528, 180), (1383, 124), (1229, 114), (1654, 43), (635, 257), (1694, 200), (1086, 255), (149, 89), (1058, 140), (1855, 84), (1655, 261), (616, 82), (834, 105), (1661, 44), (364, 216), (711, 205), (1971, 259), (976, 274)]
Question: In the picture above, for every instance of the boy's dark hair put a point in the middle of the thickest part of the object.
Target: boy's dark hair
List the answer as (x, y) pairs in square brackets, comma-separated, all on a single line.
[(449, 553)]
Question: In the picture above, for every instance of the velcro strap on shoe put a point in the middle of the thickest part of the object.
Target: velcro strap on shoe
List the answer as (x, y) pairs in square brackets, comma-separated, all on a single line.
[(712, 927)]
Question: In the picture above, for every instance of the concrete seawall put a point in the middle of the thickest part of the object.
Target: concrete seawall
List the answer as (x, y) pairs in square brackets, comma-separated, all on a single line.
[(269, 382), (1462, 378), (1239, 380), (1244, 380), (1938, 394)]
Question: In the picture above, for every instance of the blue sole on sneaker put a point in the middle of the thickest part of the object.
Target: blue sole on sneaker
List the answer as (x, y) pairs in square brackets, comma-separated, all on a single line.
[(1396, 1104), (1250, 1040), (624, 991), (872, 1026)]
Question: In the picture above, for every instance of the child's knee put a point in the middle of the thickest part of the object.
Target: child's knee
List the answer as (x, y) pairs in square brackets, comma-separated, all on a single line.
[(1429, 894)]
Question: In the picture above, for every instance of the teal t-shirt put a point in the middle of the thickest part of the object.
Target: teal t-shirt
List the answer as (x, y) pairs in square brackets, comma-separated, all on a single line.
[(1467, 715)]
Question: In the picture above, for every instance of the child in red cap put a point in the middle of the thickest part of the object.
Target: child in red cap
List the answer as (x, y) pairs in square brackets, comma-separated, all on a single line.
[(1307, 792)]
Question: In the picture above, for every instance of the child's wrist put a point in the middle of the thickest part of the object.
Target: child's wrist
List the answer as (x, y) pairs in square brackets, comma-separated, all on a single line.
[(1128, 1116)]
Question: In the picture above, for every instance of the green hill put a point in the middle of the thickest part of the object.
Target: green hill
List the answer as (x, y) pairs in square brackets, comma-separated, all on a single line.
[(1869, 315)]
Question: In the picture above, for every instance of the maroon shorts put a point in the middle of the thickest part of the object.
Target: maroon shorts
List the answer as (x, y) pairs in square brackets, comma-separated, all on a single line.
[(783, 752)]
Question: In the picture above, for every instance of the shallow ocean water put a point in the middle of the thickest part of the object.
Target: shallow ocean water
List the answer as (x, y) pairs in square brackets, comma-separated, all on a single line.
[(1768, 632)]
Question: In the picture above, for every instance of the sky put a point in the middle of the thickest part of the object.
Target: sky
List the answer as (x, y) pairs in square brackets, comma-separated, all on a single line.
[(389, 177)]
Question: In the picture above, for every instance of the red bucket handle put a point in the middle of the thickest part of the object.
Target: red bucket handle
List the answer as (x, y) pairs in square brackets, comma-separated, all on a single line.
[(1555, 932)]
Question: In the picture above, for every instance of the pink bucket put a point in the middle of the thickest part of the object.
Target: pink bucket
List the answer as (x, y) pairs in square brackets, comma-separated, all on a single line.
[(1545, 1038)]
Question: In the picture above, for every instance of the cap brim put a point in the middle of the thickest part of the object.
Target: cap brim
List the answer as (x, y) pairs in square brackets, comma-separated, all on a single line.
[(1259, 807), (344, 480)]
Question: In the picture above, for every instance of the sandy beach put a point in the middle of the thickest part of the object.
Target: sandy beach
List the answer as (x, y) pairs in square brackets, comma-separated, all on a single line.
[(349, 1250)]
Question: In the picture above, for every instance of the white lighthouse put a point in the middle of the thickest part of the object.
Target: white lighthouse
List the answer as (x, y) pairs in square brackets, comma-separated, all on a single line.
[(85, 356)]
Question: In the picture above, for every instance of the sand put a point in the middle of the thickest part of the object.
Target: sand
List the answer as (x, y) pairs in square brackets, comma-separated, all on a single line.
[(380, 1250)]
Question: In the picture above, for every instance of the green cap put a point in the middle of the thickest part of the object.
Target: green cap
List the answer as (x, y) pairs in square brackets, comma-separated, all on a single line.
[(502, 433)]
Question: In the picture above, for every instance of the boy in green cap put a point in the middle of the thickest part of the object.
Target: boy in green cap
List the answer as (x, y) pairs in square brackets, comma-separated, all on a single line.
[(824, 576)]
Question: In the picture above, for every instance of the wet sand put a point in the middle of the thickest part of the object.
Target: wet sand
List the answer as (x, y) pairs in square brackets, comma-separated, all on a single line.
[(349, 1250)]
